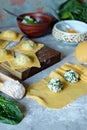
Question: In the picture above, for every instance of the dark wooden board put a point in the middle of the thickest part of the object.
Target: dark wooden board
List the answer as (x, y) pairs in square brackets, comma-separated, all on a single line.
[(47, 57)]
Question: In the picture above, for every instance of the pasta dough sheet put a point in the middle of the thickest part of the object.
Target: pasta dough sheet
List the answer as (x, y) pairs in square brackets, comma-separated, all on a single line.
[(70, 92)]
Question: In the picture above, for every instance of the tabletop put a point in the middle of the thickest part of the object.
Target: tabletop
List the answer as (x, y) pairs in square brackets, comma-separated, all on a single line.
[(37, 117)]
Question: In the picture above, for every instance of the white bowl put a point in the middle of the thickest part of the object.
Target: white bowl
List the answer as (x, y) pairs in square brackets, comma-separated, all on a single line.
[(60, 33)]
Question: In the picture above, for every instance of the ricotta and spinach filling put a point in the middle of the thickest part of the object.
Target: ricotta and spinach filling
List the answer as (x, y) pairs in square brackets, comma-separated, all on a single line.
[(71, 76), (55, 85)]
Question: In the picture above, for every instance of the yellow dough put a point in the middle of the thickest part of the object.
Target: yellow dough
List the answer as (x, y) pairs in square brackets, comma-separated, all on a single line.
[(10, 35), (27, 46), (70, 91), (3, 43), (81, 52), (6, 55), (23, 61)]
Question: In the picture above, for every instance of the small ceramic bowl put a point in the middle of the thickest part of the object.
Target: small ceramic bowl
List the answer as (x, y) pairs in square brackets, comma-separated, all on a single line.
[(38, 29), (70, 31)]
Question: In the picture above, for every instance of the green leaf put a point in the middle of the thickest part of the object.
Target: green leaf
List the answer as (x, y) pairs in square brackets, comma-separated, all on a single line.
[(30, 21), (10, 112), (73, 9), (67, 15)]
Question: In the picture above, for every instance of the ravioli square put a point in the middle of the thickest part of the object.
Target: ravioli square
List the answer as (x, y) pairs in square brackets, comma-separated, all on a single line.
[(10, 35), (23, 61), (27, 46)]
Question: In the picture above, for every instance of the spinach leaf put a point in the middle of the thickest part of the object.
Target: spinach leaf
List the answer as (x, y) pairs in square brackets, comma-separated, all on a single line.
[(73, 9), (10, 112)]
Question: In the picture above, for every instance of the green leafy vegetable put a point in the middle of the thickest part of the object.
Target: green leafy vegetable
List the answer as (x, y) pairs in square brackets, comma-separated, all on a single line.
[(29, 20), (73, 9), (9, 111)]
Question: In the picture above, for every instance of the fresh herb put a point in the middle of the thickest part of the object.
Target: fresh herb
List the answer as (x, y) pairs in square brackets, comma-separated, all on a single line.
[(9, 111), (73, 9)]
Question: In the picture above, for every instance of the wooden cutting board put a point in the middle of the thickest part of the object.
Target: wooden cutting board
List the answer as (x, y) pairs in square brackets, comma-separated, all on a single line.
[(47, 57)]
